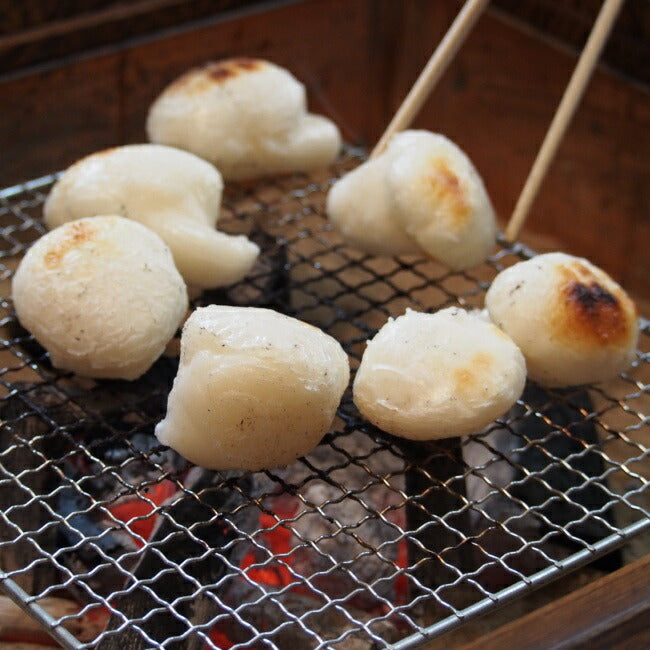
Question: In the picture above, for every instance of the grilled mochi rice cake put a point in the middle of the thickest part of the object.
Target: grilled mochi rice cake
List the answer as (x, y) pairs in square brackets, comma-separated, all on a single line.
[(172, 192), (421, 195), (572, 321), (102, 295), (427, 376), (246, 116), (255, 388)]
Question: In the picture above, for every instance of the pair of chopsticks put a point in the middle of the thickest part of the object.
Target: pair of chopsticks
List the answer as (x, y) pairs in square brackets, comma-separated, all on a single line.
[(444, 54)]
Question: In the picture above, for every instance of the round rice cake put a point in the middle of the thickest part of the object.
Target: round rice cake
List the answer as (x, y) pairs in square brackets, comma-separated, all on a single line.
[(101, 295), (172, 192), (255, 388), (427, 376), (246, 116), (573, 322)]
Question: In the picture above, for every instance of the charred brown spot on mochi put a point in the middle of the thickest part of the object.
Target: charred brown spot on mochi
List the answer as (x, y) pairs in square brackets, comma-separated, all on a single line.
[(470, 378), (224, 70), (448, 189), (77, 234), (591, 312)]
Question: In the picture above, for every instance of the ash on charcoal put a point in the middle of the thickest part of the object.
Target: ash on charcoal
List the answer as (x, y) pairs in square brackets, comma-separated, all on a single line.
[(330, 623), (321, 538), (492, 460), (336, 518), (100, 451), (95, 491), (208, 506)]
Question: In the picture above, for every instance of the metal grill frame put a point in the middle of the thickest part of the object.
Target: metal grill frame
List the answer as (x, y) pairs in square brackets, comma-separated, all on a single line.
[(296, 203)]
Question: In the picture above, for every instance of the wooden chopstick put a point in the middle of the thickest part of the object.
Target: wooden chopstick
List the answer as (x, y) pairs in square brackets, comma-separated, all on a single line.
[(572, 95), (433, 70)]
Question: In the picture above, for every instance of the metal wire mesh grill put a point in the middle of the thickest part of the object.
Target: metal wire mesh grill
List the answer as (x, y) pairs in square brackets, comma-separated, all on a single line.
[(368, 541)]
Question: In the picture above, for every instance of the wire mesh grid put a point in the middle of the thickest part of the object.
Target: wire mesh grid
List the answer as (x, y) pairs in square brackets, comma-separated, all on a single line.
[(369, 541)]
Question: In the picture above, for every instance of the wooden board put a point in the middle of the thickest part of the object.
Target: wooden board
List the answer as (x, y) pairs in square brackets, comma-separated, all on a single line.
[(612, 613)]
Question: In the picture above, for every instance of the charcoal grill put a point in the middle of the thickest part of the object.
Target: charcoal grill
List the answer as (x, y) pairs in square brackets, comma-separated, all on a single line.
[(369, 541)]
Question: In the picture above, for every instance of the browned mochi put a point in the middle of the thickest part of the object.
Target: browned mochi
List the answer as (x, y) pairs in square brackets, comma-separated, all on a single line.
[(421, 195), (172, 192), (77, 234), (102, 295), (590, 309), (447, 189), (246, 116), (469, 379), (197, 80), (573, 323), (231, 68), (427, 376)]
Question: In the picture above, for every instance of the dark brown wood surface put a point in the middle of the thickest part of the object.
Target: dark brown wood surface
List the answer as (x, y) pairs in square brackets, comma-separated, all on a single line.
[(568, 22), (612, 613), (37, 31)]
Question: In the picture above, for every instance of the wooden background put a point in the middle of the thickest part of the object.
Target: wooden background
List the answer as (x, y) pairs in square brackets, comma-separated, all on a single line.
[(77, 82)]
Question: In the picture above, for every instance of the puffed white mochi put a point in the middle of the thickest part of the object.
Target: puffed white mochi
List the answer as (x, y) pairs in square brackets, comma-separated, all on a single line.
[(359, 205), (428, 376), (102, 295), (173, 192), (422, 194), (574, 324), (255, 389), (246, 116)]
